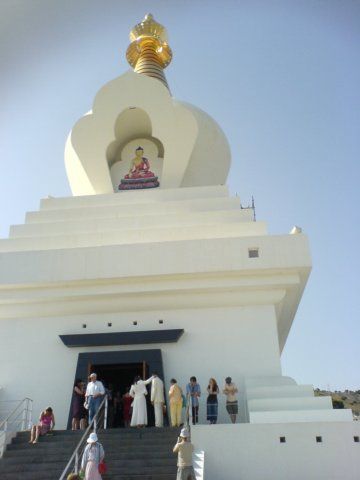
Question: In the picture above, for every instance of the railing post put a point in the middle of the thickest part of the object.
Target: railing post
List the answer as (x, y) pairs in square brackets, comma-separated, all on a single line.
[(188, 411), (77, 452), (77, 462), (24, 415), (3, 440), (106, 412), (30, 413)]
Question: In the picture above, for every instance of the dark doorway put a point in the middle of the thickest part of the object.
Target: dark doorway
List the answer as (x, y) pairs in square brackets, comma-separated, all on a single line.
[(117, 379), (117, 371), (119, 376)]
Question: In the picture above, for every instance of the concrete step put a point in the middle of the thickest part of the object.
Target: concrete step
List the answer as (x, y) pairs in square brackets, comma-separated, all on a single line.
[(116, 464), (112, 476), (122, 210), (34, 457), (130, 454), (140, 477), (54, 473), (46, 475), (104, 440), (89, 226), (110, 450), (118, 440), (114, 431), (158, 476)]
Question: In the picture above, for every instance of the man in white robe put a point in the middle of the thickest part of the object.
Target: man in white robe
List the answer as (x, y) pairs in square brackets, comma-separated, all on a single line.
[(158, 399), (138, 392)]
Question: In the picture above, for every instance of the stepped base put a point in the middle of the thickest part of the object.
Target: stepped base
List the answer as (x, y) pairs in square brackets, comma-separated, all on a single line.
[(130, 454)]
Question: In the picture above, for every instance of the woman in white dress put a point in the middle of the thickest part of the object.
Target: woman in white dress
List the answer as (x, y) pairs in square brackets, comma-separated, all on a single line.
[(138, 392)]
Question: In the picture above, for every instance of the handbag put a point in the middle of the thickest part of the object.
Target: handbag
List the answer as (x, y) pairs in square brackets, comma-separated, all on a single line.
[(102, 467), (86, 405)]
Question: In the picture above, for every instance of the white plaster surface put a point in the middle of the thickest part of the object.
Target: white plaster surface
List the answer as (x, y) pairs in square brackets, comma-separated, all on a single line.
[(254, 452), (37, 352), (301, 415), (176, 254), (180, 255), (196, 151)]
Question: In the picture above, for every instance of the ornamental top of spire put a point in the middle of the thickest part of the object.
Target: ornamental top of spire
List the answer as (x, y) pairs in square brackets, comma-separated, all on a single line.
[(149, 27), (149, 35)]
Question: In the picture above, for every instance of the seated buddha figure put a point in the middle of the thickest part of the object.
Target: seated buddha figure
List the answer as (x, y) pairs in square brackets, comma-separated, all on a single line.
[(140, 166), (140, 175)]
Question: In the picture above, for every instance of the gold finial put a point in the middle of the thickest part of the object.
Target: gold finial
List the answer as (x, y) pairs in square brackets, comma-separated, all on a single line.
[(149, 52)]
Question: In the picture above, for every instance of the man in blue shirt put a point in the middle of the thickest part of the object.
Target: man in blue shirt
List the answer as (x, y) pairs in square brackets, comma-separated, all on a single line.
[(193, 389)]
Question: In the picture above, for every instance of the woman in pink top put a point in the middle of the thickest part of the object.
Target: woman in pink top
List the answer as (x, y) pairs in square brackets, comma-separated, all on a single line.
[(45, 425)]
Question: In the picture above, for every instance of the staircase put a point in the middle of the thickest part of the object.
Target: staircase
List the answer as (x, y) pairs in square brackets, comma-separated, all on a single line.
[(130, 454)]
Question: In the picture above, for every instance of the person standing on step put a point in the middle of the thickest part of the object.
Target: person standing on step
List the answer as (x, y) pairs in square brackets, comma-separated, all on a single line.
[(138, 392), (230, 390), (158, 399), (184, 448), (193, 389), (79, 412), (176, 403), (93, 455), (212, 401), (95, 392)]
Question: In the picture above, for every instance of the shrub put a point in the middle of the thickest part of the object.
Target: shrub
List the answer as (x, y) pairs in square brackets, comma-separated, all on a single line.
[(338, 404)]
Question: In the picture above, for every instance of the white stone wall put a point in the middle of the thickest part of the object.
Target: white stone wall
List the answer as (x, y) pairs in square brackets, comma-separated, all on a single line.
[(180, 255), (217, 342), (254, 452)]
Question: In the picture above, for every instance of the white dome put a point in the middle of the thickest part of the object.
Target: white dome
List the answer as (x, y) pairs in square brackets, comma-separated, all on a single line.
[(210, 160), (192, 148)]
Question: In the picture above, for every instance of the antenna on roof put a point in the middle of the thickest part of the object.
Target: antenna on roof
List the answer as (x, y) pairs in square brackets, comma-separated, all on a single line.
[(253, 208)]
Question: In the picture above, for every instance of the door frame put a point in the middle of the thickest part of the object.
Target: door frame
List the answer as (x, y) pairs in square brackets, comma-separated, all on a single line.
[(152, 357)]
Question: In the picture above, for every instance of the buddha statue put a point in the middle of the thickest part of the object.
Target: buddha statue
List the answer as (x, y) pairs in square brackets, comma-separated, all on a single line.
[(140, 175)]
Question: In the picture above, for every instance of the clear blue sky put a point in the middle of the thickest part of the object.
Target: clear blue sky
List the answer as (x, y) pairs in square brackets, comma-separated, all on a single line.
[(282, 79)]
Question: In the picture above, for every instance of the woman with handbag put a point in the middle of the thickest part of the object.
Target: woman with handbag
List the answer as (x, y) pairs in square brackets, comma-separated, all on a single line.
[(79, 412), (92, 462)]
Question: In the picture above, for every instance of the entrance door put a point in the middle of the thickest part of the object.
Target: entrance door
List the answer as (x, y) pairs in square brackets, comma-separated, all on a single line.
[(119, 376), (117, 370), (117, 379)]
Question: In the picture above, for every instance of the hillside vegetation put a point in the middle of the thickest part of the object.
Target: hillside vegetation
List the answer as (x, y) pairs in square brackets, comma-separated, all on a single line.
[(346, 399)]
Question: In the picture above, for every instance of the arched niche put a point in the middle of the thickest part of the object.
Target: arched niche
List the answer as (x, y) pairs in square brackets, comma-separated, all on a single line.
[(133, 129)]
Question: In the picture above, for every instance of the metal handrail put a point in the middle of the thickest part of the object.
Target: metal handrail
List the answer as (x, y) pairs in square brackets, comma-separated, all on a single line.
[(187, 409), (75, 455), (21, 421), (28, 401), (188, 413)]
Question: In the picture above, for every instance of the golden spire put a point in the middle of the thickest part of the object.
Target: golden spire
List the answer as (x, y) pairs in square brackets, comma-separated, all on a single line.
[(148, 52)]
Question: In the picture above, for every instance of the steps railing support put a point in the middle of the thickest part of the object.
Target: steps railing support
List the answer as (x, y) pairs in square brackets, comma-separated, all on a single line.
[(15, 421), (93, 424)]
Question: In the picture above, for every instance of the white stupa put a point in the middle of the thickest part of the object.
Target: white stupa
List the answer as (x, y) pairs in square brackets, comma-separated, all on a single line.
[(152, 265)]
